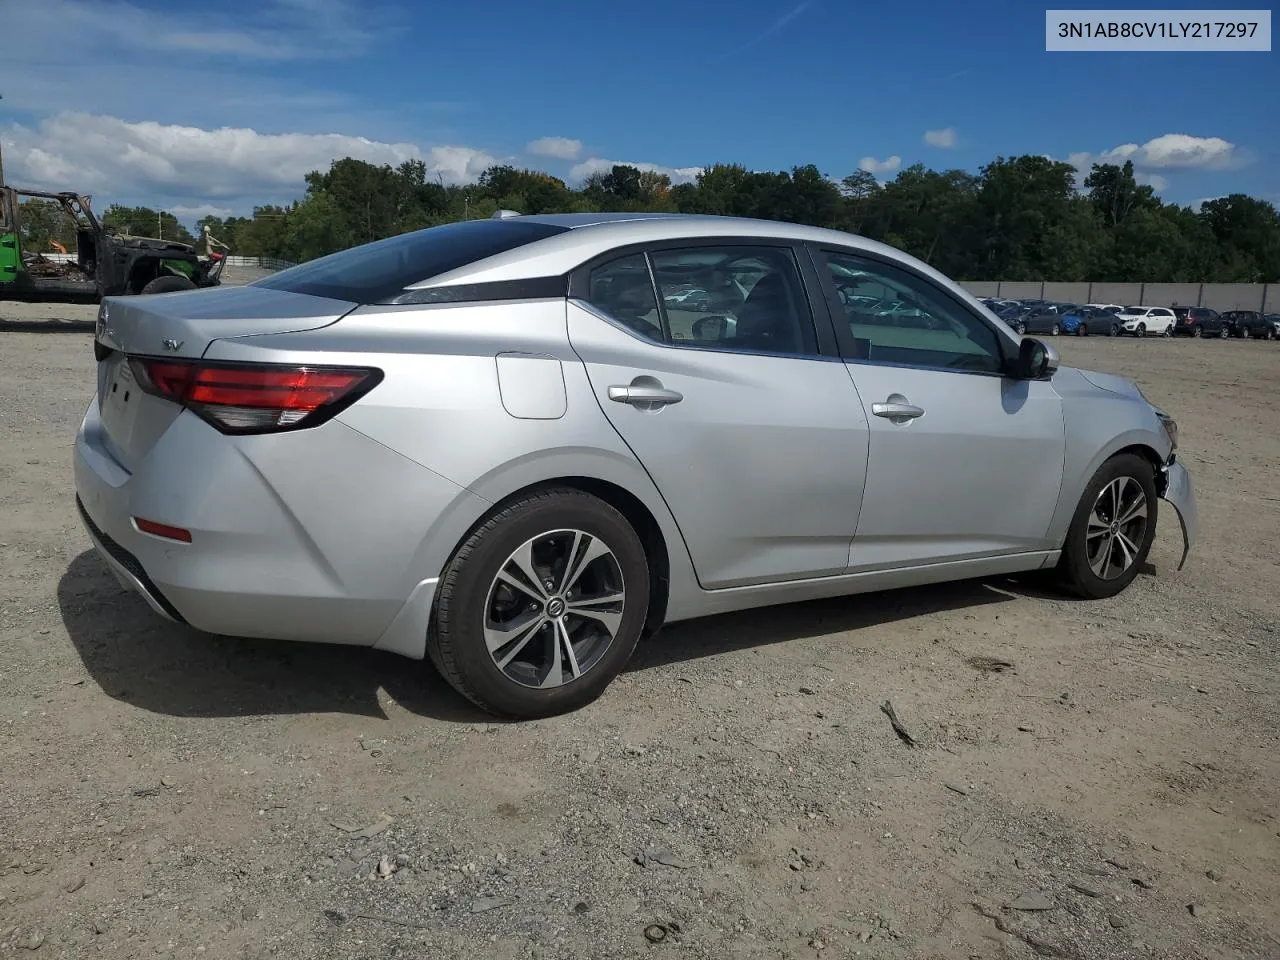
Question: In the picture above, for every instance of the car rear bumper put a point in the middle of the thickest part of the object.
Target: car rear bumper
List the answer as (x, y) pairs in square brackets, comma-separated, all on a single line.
[(1176, 489), (325, 537)]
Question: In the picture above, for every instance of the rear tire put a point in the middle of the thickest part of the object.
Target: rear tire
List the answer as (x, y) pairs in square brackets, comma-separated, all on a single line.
[(1108, 541), (1082, 330), (1197, 333), (547, 657), (1244, 332), (1224, 333), (167, 285)]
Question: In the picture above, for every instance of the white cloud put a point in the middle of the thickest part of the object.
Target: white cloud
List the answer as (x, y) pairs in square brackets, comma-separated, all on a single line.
[(1154, 180), (560, 148), (195, 167), (941, 138), (1198, 205), (1169, 151), (193, 213), (586, 168), (887, 165), (271, 30)]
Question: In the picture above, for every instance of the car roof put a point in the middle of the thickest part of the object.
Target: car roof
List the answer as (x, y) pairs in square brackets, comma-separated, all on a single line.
[(587, 235)]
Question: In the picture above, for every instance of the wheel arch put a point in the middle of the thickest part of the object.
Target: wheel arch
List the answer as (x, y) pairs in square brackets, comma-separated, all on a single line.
[(609, 475), (1081, 468), (636, 513)]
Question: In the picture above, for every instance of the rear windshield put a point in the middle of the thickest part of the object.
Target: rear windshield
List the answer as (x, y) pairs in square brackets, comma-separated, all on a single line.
[(377, 271)]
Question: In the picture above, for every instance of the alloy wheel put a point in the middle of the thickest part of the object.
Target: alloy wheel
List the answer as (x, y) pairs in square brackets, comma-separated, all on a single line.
[(1117, 528), (554, 608)]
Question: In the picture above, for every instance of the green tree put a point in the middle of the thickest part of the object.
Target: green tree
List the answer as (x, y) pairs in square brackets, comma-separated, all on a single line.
[(145, 222), (44, 221), (1247, 231), (1116, 194)]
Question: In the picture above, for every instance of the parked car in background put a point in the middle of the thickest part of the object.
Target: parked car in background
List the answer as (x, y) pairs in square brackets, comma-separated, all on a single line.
[(1248, 323), (1044, 317), (1200, 322), (1086, 320), (1141, 321), (1274, 320), (1109, 307), (491, 443)]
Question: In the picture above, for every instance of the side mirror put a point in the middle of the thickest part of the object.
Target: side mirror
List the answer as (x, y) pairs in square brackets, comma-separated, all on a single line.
[(1036, 360)]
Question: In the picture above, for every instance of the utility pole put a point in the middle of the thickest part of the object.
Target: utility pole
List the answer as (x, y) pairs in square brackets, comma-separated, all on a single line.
[(1, 157), (159, 226)]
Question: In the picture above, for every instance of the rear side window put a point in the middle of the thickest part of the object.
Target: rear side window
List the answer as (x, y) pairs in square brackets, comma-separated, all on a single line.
[(377, 271), (623, 289)]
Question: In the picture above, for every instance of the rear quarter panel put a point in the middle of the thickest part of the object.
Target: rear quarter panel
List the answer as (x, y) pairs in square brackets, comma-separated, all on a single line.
[(444, 405)]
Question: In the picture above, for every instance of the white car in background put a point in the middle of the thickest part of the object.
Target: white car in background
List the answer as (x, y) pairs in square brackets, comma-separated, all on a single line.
[(1109, 307), (1140, 321)]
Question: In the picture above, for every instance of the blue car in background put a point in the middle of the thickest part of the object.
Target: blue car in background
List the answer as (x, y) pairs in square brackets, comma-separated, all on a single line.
[(1082, 321)]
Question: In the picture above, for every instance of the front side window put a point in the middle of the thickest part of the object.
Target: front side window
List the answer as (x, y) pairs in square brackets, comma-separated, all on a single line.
[(896, 317), (745, 299)]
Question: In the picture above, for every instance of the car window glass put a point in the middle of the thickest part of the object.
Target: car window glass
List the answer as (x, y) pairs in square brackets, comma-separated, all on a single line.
[(623, 289), (745, 299), (374, 272), (896, 317)]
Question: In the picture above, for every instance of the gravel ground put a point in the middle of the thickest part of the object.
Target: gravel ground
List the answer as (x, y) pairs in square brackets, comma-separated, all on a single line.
[(1092, 780)]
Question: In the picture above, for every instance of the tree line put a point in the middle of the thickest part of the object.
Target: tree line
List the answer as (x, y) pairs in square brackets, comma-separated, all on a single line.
[(1017, 218)]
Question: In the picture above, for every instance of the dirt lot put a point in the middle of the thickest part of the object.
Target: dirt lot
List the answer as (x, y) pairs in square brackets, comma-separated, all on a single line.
[(168, 793)]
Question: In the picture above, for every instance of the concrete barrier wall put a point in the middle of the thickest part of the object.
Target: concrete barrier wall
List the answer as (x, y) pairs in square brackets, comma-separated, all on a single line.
[(1121, 293), (1234, 296), (1067, 292), (1218, 296)]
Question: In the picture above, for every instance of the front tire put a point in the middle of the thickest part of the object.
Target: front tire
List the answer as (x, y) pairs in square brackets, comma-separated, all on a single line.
[(1141, 331), (1055, 330), (542, 606), (1112, 530), (1082, 330), (1244, 332)]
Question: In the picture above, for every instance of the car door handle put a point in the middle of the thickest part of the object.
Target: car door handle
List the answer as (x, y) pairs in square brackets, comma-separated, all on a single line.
[(897, 410), (644, 394)]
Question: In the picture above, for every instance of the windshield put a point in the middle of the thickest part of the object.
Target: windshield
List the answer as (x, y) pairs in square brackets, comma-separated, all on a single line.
[(377, 271)]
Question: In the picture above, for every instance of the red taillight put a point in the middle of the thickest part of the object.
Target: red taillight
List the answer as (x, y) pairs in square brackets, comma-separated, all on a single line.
[(254, 398), (162, 530)]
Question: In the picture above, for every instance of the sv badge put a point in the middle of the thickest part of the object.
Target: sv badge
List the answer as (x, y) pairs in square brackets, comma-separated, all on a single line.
[(172, 345)]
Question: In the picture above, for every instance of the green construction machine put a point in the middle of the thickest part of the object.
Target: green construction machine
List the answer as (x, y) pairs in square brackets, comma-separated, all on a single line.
[(105, 263)]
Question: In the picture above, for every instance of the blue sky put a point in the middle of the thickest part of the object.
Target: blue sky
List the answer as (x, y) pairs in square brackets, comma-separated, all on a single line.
[(126, 99)]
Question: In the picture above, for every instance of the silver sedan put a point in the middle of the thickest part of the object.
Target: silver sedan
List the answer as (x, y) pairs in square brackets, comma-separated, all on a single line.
[(507, 445)]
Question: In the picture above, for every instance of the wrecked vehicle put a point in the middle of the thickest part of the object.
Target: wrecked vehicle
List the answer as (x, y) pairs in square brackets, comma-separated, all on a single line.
[(106, 263)]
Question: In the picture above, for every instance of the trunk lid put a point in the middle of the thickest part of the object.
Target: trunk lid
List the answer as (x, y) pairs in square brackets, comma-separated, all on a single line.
[(182, 325)]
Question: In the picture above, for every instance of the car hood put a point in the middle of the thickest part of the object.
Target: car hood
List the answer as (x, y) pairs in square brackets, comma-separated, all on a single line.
[(1112, 384)]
